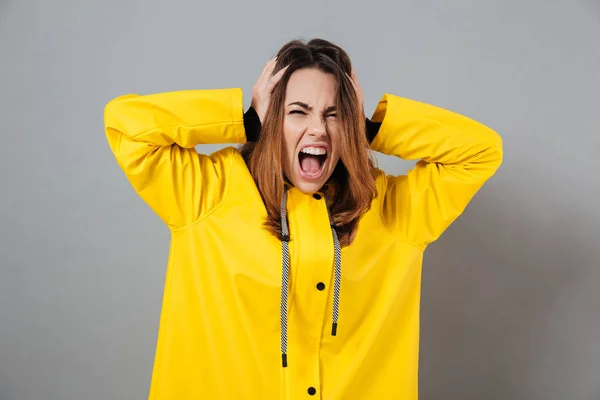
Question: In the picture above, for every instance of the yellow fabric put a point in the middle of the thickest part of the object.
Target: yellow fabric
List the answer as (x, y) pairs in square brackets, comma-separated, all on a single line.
[(219, 335)]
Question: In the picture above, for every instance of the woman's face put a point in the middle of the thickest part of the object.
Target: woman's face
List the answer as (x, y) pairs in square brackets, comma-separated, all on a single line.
[(311, 137)]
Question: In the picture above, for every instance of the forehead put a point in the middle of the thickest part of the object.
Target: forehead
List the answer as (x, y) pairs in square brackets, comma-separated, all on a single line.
[(311, 86)]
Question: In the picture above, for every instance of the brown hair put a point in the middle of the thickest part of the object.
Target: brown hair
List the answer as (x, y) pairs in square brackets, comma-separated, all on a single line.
[(354, 176)]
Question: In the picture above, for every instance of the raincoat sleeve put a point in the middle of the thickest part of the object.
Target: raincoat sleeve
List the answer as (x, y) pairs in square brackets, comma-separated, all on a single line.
[(455, 156), (153, 138)]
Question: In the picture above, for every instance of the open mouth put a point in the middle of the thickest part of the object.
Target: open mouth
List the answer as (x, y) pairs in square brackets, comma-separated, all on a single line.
[(311, 160)]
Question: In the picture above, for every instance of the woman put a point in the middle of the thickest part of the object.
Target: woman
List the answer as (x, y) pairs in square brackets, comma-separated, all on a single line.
[(295, 264)]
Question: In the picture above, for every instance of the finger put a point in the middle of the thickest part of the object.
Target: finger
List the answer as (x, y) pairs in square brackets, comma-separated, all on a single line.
[(269, 74), (266, 72), (356, 87), (271, 67), (354, 83), (276, 78), (354, 76)]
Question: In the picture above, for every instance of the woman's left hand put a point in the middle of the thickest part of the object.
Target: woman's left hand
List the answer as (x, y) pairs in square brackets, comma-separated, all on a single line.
[(359, 92)]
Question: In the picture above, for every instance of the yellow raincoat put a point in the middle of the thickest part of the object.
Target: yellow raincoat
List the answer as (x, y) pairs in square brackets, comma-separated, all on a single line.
[(220, 327)]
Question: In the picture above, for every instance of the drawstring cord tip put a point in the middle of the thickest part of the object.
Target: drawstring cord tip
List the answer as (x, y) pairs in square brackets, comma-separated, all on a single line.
[(334, 329), (284, 360)]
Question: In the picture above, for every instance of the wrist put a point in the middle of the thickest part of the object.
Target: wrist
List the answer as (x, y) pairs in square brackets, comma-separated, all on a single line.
[(252, 124), (372, 128)]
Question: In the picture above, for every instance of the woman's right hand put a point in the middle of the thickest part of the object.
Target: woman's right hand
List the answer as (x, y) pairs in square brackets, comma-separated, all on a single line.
[(261, 92)]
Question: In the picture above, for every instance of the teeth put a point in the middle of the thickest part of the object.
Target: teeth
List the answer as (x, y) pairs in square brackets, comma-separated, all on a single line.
[(315, 151)]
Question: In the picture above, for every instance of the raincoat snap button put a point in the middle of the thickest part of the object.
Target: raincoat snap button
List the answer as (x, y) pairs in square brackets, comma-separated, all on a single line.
[(320, 286), (312, 391), (317, 196)]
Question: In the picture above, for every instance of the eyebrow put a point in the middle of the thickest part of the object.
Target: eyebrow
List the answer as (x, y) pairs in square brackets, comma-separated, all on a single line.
[(309, 108)]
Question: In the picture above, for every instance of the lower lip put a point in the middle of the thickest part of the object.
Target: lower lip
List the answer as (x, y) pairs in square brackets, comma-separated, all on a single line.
[(316, 176)]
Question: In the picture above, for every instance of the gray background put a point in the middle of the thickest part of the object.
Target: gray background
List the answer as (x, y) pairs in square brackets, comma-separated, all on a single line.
[(510, 292)]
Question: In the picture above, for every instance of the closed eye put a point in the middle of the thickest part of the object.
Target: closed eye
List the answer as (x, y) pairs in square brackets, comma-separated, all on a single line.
[(297, 112)]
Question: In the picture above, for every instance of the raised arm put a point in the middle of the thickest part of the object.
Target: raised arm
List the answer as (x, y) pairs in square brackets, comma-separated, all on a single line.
[(153, 139), (456, 156)]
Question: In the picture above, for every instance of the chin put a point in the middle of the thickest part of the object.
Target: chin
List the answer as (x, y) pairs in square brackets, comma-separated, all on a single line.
[(308, 186)]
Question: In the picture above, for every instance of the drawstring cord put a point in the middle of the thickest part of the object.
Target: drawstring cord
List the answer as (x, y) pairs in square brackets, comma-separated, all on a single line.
[(337, 272), (285, 273)]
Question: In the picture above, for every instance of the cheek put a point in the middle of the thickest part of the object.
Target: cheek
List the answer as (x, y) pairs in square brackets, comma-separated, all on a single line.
[(293, 125), (291, 137), (336, 139)]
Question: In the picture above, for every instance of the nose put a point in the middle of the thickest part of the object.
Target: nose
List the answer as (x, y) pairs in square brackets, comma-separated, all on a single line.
[(317, 127)]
